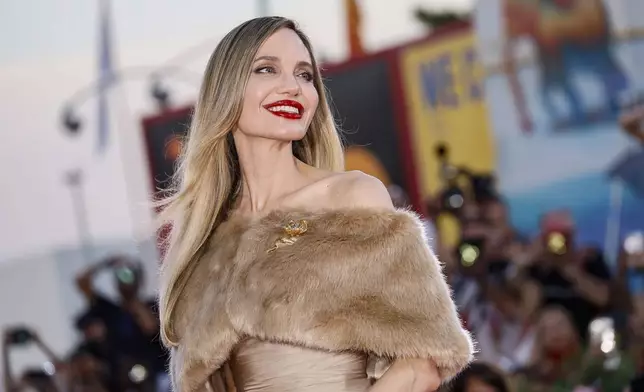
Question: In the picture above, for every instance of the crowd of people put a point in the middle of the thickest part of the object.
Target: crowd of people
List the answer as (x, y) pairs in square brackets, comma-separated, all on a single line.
[(546, 313), (119, 348)]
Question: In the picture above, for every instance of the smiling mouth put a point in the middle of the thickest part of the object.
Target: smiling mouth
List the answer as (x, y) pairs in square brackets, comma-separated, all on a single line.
[(286, 108)]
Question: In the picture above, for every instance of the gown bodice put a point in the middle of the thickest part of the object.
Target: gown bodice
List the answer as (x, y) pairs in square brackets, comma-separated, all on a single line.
[(259, 366)]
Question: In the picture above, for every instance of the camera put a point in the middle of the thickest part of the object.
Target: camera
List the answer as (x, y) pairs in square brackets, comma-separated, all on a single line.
[(557, 243), (557, 229), (452, 199), (125, 275), (20, 336), (470, 251), (481, 186)]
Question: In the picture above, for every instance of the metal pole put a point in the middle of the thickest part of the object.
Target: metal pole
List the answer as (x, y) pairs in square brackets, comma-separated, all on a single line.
[(263, 7), (74, 180), (612, 242)]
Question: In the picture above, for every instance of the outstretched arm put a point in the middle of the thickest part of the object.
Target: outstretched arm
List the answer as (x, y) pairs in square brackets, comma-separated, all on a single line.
[(49, 353), (8, 381), (84, 280)]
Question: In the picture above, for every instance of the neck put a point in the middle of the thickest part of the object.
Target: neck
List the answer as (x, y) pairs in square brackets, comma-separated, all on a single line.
[(269, 172)]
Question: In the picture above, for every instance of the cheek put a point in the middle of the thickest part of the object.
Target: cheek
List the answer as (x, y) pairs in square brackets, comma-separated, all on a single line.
[(251, 105), (312, 97), (253, 96), (315, 100)]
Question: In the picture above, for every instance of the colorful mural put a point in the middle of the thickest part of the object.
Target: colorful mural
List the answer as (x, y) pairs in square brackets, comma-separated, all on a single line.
[(555, 76), (571, 39)]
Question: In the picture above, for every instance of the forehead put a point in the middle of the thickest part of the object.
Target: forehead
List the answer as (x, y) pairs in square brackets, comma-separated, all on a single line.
[(553, 316), (286, 45)]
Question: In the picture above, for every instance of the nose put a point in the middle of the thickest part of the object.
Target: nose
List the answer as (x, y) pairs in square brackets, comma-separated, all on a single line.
[(289, 85)]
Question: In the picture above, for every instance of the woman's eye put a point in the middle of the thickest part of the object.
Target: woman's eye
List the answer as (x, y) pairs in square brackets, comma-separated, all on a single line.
[(265, 69), (307, 76)]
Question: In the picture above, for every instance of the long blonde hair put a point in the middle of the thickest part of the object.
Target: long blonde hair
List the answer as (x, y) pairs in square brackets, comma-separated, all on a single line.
[(208, 178)]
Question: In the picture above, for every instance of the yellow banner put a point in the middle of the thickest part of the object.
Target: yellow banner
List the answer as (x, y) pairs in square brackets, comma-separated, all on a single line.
[(442, 82)]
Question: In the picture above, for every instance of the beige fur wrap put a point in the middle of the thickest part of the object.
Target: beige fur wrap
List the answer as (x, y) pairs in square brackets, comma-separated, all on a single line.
[(351, 279)]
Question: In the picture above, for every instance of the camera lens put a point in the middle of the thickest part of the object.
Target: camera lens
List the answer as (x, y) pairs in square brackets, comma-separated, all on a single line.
[(125, 275), (557, 243), (20, 336), (469, 254)]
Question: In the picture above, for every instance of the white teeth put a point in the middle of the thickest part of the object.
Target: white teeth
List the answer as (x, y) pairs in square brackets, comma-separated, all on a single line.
[(287, 109)]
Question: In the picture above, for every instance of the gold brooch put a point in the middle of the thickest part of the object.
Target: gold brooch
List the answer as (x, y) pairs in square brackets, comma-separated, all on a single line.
[(292, 231)]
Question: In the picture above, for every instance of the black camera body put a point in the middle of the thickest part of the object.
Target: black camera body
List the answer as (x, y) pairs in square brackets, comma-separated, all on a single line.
[(20, 336), (482, 185)]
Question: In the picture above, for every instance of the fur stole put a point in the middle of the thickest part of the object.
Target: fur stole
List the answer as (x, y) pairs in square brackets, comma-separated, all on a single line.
[(351, 279)]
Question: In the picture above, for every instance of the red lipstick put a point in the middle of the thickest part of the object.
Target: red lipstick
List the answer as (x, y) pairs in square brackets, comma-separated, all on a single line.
[(286, 108)]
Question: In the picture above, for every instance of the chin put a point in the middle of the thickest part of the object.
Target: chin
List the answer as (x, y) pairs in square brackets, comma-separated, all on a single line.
[(288, 135)]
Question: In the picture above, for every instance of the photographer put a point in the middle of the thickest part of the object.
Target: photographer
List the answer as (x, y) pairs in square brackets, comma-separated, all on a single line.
[(88, 373), (480, 377), (498, 309), (576, 279), (94, 359), (561, 361), (31, 379), (131, 324), (631, 277)]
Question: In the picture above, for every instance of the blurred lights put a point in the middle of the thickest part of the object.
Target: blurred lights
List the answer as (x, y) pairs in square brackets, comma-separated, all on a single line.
[(469, 254), (125, 275), (603, 331), (607, 346), (557, 243), (456, 201), (634, 243), (138, 374), (450, 172), (49, 368)]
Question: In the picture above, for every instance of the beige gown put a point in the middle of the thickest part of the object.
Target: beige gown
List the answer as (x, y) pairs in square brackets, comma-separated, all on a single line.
[(258, 366)]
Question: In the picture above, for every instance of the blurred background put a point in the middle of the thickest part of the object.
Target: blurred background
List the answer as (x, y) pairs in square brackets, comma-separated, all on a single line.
[(515, 127)]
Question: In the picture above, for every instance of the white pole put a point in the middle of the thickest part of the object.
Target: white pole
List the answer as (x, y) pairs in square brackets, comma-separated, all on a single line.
[(74, 180), (614, 221), (263, 7)]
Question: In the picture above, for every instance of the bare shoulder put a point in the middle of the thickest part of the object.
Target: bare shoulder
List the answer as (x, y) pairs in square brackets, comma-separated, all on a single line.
[(357, 189)]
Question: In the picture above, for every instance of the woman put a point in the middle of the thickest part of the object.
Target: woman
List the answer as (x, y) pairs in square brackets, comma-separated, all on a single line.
[(282, 272), (562, 363), (480, 377)]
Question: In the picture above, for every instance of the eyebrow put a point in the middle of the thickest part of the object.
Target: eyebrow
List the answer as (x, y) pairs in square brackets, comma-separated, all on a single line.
[(276, 59)]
